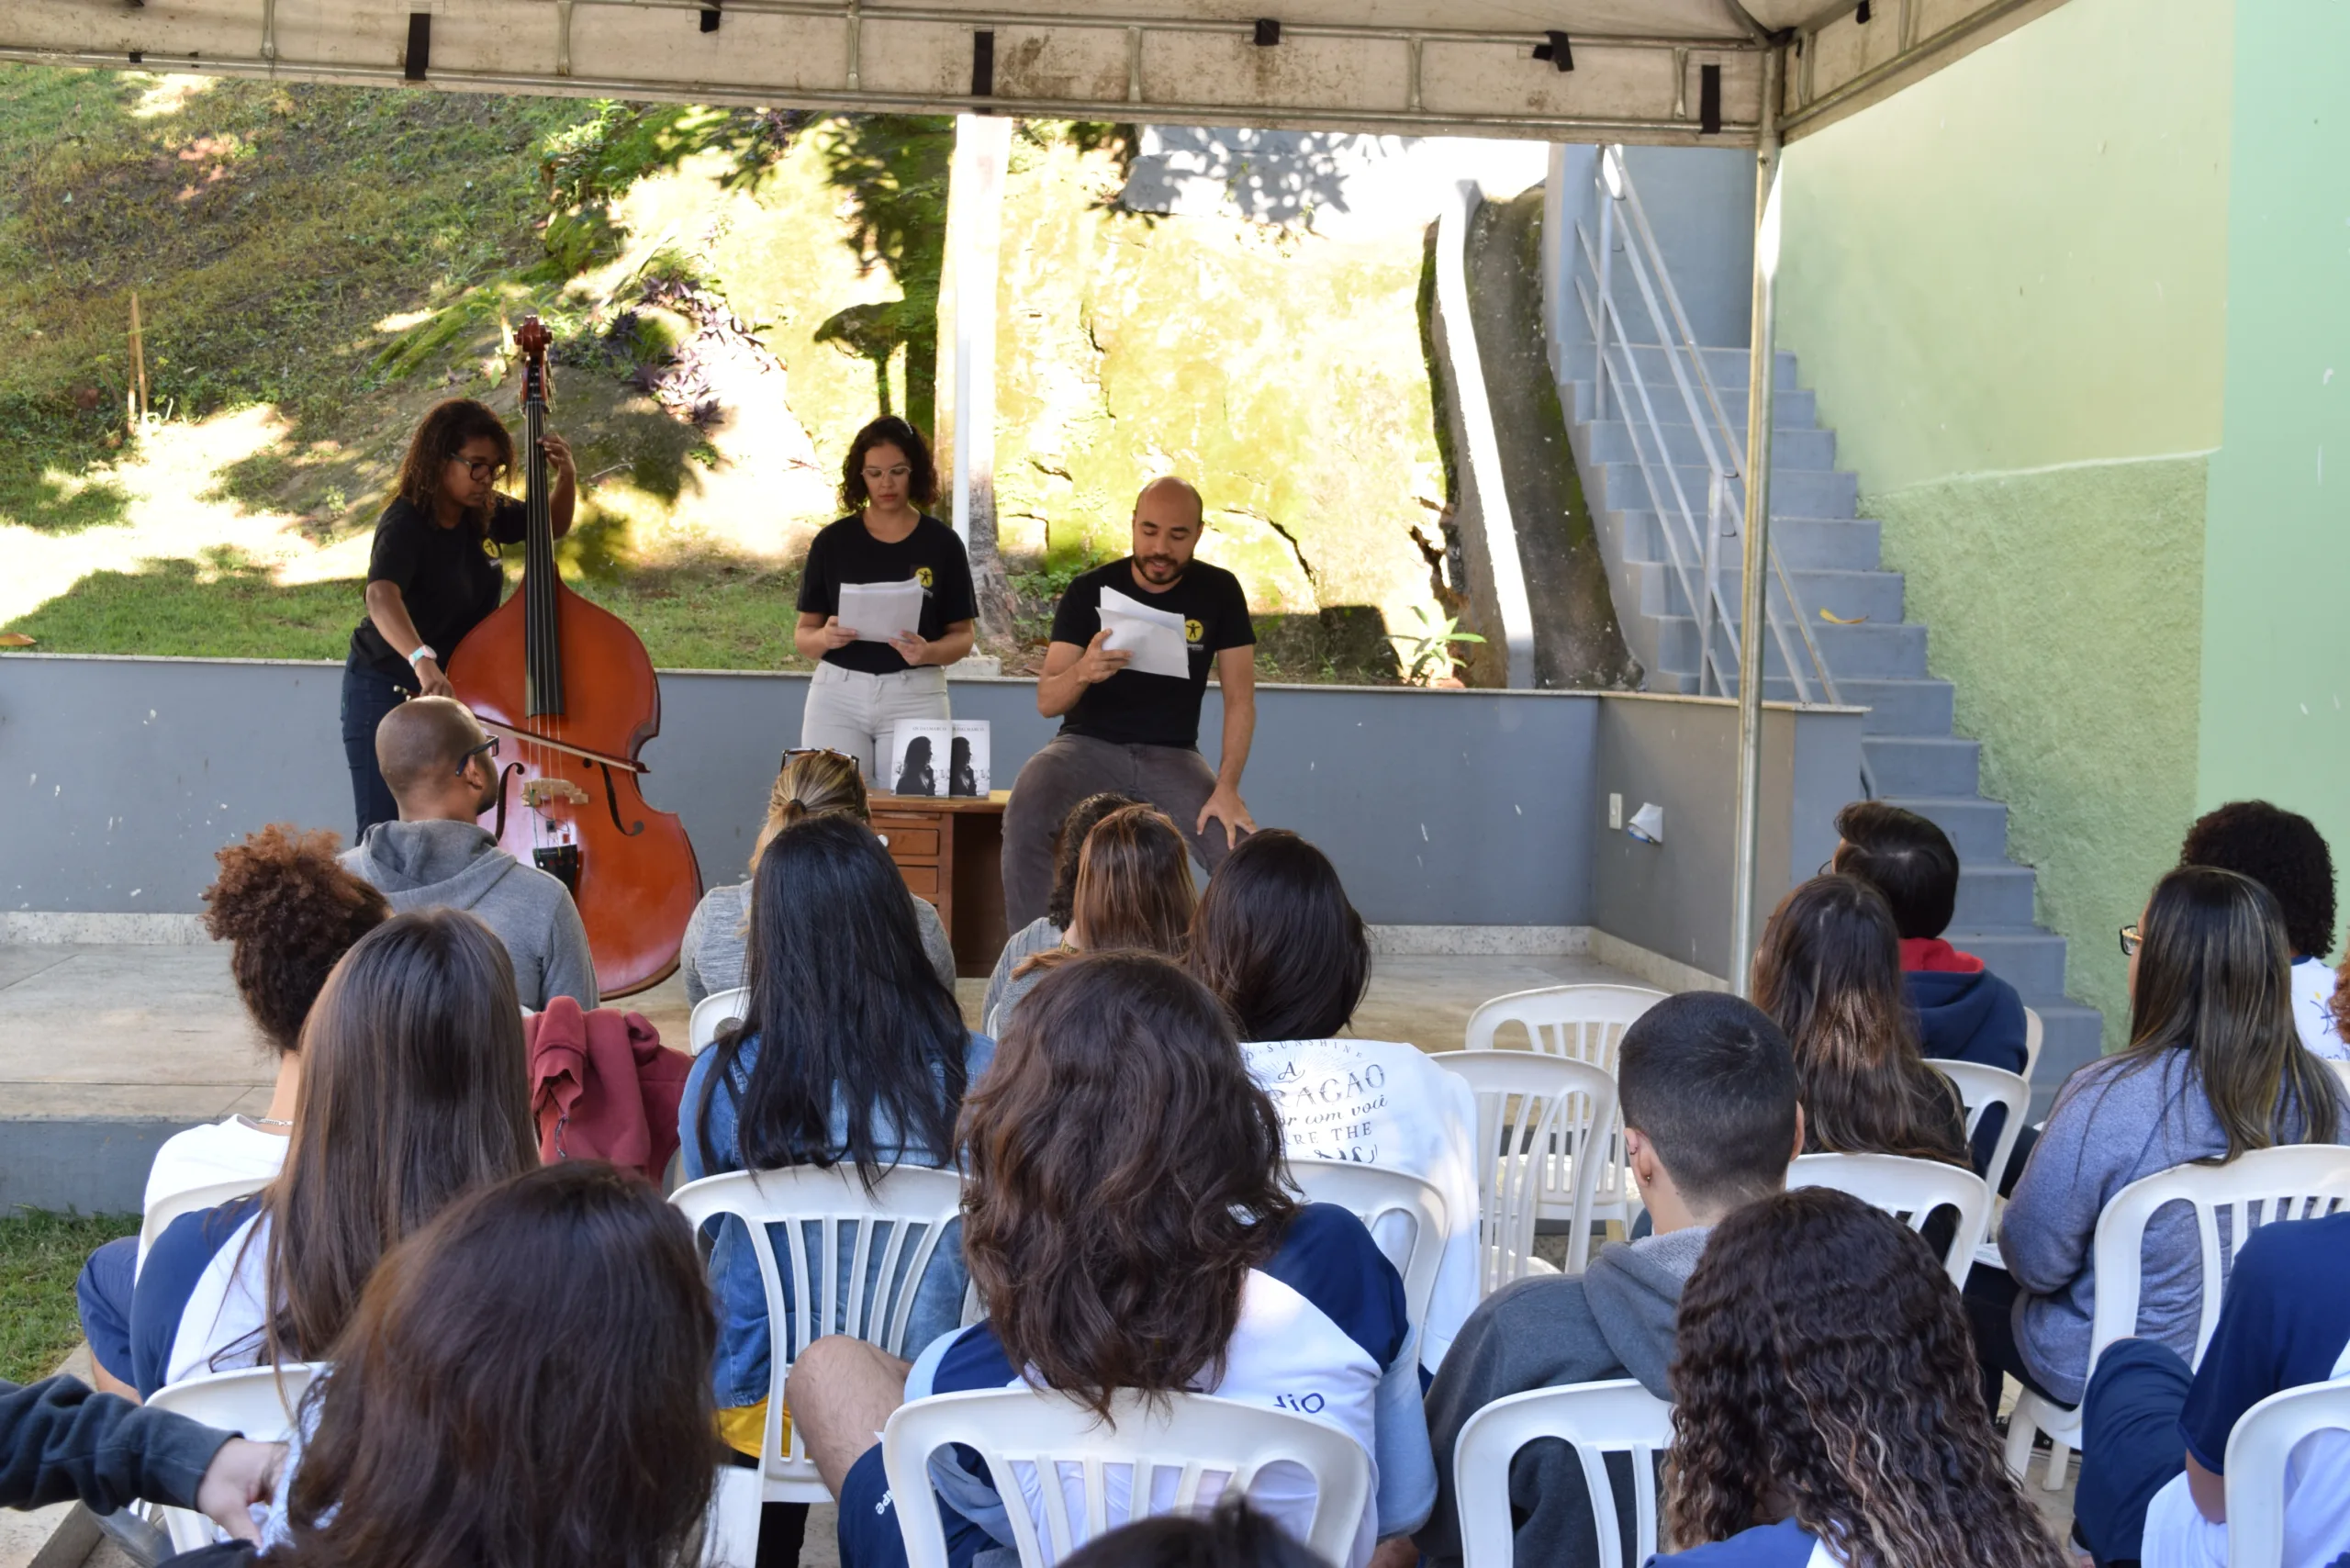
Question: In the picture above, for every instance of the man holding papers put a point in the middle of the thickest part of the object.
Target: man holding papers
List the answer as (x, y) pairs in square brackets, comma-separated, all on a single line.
[(1126, 674), (885, 602)]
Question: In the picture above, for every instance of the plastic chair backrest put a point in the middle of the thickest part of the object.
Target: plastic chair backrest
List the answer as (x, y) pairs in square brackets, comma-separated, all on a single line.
[(1981, 1088), (195, 1200), (1535, 1112), (910, 1207), (1387, 1202), (1910, 1190), (2262, 1440), (1581, 1023), (2032, 1032), (264, 1403), (2340, 1067), (1189, 1439), (1598, 1419), (2296, 1181), (714, 1014)]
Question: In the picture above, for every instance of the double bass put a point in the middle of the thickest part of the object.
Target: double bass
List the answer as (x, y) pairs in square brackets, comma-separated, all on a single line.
[(569, 690)]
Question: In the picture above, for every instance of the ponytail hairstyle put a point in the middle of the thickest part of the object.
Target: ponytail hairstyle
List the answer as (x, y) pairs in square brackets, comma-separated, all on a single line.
[(812, 783), (289, 911), (451, 423)]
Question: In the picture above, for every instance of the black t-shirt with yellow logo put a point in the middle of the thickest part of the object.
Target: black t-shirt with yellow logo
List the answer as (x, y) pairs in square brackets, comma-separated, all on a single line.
[(1135, 709), (845, 552)]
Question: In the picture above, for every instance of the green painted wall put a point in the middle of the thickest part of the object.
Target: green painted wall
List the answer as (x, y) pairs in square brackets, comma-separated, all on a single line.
[(2008, 284), (2276, 661)]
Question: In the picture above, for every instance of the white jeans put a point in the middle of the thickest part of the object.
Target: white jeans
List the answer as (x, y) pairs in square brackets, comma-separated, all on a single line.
[(852, 712)]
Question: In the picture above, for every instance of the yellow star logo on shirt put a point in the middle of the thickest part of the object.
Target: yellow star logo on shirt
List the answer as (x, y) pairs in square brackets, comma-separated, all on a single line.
[(921, 575), (1193, 631)]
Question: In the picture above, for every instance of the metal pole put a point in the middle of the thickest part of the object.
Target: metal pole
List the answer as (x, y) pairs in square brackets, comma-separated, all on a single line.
[(1761, 378)]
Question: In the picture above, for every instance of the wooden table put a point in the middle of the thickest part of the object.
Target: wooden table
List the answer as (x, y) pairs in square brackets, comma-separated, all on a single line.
[(950, 850)]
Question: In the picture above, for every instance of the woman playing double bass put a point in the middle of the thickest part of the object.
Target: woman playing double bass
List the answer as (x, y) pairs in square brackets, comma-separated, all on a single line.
[(434, 574)]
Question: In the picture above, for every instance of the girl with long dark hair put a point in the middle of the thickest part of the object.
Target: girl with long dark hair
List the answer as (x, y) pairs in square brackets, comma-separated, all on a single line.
[(1154, 1256), (1828, 971), (853, 1054), (415, 1090), (1823, 1397), (524, 1383), (1134, 891), (2215, 1069), (433, 575), (867, 683)]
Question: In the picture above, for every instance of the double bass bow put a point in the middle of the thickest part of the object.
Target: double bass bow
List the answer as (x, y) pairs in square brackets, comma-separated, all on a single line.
[(570, 689)]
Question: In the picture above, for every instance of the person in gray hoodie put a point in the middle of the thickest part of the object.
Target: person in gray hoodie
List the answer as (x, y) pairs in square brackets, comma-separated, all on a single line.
[(1708, 1086), (442, 771)]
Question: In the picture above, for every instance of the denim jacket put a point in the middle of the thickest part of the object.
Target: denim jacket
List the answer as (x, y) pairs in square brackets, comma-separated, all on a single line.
[(742, 1372)]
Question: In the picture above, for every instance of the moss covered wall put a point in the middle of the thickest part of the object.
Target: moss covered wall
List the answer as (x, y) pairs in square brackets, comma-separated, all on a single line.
[(2008, 284)]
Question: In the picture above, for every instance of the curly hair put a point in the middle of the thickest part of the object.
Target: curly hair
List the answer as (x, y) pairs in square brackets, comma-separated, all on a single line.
[(446, 428), (921, 482), (290, 912), (2282, 851), (1869, 1426), (1069, 841)]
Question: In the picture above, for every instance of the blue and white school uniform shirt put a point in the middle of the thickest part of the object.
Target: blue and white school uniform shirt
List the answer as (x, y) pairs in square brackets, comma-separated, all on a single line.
[(201, 1303), (1783, 1545), (1322, 1333), (2284, 1323)]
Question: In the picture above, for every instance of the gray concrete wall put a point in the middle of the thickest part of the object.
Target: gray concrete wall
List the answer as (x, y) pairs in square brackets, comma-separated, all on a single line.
[(1700, 201), (1680, 753), (119, 778)]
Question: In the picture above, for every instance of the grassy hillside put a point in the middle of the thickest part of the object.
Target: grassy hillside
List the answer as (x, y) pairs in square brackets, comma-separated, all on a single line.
[(733, 292)]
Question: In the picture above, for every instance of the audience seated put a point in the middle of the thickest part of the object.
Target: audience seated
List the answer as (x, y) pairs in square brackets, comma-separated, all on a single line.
[(714, 952), (1821, 1407), (1710, 1122), (414, 1091), (1964, 1012), (443, 772), (2285, 1321), (289, 913), (2283, 852), (1134, 891), (524, 1384), (1046, 930), (1230, 1534), (1275, 938), (851, 1052), (1828, 971), (1118, 1254), (2214, 1068)]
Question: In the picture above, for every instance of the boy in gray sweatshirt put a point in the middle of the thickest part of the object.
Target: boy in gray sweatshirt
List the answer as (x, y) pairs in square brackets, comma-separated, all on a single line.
[(443, 772), (1707, 1087)]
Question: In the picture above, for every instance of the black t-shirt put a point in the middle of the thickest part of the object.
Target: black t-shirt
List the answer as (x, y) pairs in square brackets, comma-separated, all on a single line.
[(846, 552), (1135, 709), (449, 578)]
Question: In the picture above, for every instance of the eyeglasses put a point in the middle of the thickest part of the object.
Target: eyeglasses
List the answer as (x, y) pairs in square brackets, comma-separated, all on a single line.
[(2132, 940), (489, 746), (480, 468)]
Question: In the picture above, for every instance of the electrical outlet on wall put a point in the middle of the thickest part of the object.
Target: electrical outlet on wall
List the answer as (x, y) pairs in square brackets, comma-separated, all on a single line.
[(1614, 812)]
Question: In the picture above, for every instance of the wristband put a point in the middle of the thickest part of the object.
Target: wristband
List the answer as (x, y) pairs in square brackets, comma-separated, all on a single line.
[(424, 651)]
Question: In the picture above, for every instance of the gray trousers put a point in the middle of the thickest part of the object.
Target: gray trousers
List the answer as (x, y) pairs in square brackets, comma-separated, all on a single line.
[(852, 712), (1176, 780)]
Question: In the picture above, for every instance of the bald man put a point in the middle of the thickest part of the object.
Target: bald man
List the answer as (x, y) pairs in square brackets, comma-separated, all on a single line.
[(443, 772), (1135, 733)]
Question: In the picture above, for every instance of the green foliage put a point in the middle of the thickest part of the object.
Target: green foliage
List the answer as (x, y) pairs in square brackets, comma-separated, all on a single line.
[(1425, 650), (40, 1254)]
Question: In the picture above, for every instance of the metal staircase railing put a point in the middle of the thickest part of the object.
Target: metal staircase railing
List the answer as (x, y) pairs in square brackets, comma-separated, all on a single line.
[(1694, 531)]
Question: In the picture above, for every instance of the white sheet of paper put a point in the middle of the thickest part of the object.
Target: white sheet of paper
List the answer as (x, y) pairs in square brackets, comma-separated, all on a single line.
[(881, 611), (1154, 637)]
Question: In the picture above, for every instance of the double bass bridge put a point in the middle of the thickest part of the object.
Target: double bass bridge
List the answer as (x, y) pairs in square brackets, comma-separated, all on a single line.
[(541, 793)]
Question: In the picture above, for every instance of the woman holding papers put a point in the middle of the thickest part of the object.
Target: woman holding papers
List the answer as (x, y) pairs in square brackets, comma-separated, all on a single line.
[(885, 602)]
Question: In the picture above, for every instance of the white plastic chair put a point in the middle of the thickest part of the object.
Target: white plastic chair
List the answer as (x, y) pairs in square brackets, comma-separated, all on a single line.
[(1980, 1088), (2262, 1440), (1581, 1023), (2341, 1069), (2298, 1181), (264, 1403), (196, 1200), (907, 1200), (1372, 1195), (720, 1011), (1536, 1114), (1909, 1190), (1167, 1453), (2032, 1031), (1598, 1419)]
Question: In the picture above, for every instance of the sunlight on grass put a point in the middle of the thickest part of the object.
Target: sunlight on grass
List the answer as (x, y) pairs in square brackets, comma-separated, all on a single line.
[(40, 1254)]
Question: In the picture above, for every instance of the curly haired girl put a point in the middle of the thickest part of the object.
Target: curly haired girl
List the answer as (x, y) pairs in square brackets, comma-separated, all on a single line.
[(1825, 1404)]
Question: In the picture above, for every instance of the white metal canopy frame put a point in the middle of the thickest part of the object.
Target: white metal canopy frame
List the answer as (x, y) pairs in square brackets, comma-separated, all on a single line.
[(1638, 71)]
